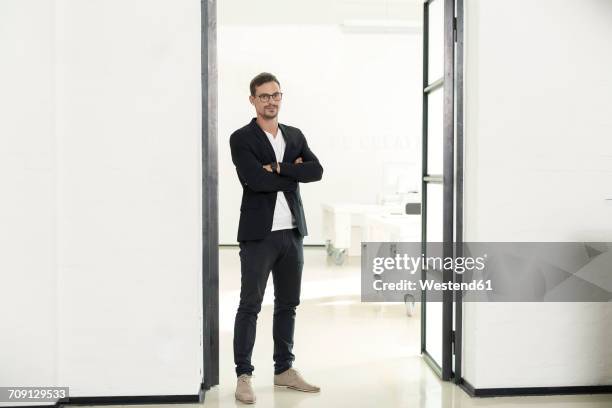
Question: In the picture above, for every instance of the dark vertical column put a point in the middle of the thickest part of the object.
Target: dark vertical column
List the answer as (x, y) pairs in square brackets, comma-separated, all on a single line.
[(210, 218), (424, 168), (459, 190), (449, 181)]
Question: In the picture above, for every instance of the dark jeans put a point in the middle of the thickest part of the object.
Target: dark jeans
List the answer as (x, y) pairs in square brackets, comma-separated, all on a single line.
[(282, 253)]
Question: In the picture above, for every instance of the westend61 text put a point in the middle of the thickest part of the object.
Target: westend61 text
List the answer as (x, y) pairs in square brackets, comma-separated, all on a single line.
[(476, 285)]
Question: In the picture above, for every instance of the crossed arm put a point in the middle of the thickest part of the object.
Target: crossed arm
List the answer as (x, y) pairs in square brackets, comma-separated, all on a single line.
[(305, 169), (254, 174), (263, 178)]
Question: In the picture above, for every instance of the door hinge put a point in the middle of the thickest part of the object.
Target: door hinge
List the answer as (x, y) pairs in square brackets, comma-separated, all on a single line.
[(455, 29), (453, 341)]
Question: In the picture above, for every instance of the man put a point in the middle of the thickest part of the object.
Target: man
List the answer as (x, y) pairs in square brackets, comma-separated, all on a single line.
[(271, 159)]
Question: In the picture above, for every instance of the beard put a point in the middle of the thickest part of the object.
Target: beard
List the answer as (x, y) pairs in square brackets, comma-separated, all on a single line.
[(268, 115)]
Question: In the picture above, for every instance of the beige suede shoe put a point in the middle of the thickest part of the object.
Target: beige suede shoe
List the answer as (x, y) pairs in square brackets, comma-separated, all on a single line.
[(291, 378), (244, 390)]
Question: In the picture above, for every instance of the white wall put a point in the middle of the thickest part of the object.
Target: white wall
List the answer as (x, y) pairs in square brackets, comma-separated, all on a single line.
[(356, 97), (538, 157), (28, 292), (130, 212), (104, 164)]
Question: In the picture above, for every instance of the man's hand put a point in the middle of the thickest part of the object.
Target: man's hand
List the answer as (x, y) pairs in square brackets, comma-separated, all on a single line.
[(272, 167), (269, 168)]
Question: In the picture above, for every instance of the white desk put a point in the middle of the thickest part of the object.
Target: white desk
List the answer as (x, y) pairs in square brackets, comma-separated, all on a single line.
[(346, 225), (392, 228)]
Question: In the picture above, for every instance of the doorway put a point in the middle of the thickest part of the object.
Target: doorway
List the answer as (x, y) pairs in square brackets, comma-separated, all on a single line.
[(440, 181)]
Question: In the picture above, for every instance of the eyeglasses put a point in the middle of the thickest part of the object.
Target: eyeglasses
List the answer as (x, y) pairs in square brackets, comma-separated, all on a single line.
[(276, 96)]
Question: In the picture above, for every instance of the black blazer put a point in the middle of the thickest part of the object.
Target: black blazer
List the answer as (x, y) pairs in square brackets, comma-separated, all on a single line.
[(251, 149)]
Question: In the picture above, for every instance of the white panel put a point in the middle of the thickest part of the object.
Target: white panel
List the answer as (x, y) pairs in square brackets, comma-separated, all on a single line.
[(538, 168), (435, 134), (433, 339), (129, 127), (433, 319), (28, 295), (435, 215), (436, 41)]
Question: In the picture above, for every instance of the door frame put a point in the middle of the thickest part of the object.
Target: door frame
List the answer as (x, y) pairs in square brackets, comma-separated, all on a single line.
[(451, 180), (210, 197), (459, 74), (453, 204)]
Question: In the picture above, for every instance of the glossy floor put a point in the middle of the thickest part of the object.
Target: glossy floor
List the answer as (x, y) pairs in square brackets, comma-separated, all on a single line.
[(361, 354)]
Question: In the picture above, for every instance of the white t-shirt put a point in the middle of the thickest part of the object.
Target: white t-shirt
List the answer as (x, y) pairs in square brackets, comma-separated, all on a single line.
[(283, 218)]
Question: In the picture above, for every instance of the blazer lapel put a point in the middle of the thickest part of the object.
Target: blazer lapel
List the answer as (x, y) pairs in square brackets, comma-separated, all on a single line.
[(264, 139), (288, 140)]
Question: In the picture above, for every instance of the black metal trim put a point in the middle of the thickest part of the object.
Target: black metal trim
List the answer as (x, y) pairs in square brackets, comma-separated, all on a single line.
[(127, 400), (305, 246), (425, 113), (449, 183), (447, 82), (432, 363), (458, 346), (532, 391), (124, 400), (210, 228), (424, 168)]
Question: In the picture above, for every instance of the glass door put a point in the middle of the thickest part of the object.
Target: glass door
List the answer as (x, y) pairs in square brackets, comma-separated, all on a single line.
[(438, 177)]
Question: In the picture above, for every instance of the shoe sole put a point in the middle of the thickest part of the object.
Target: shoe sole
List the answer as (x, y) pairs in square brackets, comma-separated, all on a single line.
[(296, 388), (244, 401)]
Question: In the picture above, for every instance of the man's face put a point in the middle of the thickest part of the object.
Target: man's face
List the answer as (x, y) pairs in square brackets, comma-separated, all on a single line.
[(269, 109)]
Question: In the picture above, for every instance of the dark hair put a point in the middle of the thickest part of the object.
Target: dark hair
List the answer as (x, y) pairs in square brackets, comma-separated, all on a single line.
[(261, 79)]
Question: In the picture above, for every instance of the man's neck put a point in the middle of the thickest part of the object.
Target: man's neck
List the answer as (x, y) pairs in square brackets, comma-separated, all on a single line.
[(268, 125)]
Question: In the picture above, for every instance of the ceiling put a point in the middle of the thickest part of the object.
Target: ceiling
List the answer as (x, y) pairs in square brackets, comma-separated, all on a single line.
[(267, 12)]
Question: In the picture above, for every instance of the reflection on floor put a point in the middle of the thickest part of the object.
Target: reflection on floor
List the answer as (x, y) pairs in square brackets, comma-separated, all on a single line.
[(361, 354)]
